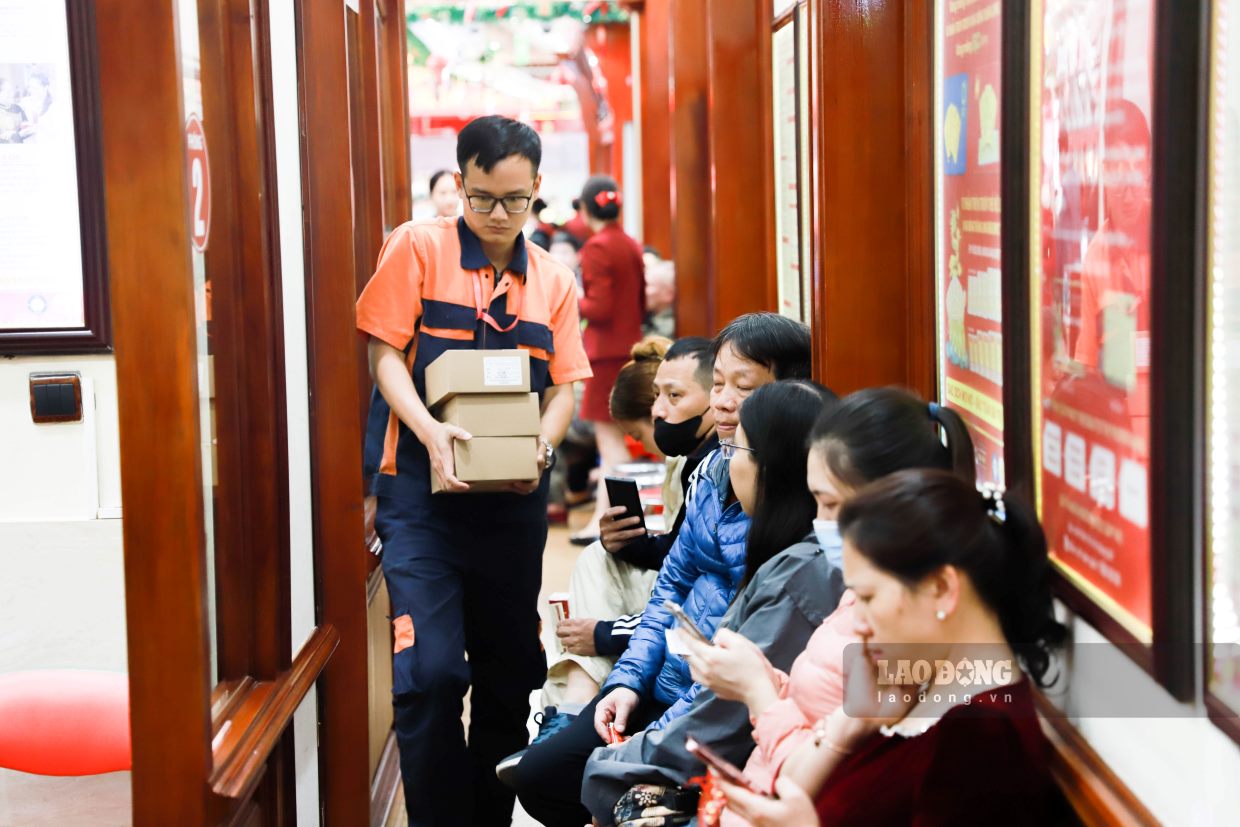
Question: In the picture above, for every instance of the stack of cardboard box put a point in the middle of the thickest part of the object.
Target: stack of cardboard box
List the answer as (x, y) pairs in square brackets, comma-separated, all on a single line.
[(487, 393)]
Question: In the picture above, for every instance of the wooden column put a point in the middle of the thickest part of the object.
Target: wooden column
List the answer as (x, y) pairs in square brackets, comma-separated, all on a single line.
[(656, 128), (157, 385), (335, 424), (873, 324), (691, 201), (739, 121), (394, 115)]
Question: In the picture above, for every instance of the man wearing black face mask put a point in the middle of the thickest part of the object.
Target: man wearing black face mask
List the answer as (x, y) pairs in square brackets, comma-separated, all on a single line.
[(684, 427)]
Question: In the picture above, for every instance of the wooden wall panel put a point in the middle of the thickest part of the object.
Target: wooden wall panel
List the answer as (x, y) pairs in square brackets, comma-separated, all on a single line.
[(394, 115), (335, 423), (691, 202), (739, 121), (656, 128), (921, 371), (872, 220), (157, 369)]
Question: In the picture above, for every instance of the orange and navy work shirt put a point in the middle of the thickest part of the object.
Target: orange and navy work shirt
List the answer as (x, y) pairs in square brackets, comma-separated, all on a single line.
[(424, 299)]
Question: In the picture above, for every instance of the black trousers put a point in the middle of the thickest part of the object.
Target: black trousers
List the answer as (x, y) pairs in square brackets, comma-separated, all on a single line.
[(549, 776), (467, 589)]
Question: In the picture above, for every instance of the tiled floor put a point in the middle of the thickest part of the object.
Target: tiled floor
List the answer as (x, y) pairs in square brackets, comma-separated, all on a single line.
[(558, 560)]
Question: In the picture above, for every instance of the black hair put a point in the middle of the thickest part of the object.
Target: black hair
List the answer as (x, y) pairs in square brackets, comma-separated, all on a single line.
[(697, 347), (435, 179), (633, 394), (780, 344), (651, 251), (576, 204), (487, 141), (561, 237), (914, 522), (538, 206), (878, 431), (601, 209), (776, 419)]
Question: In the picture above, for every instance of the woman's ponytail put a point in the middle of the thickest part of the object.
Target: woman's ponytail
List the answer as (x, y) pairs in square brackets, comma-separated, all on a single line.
[(1021, 589)]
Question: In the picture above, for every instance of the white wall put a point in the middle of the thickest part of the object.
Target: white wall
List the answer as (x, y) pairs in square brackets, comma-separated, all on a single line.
[(62, 471), (62, 584), (1181, 766)]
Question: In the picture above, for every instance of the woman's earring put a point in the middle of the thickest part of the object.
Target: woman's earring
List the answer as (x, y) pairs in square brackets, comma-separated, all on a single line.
[(941, 615)]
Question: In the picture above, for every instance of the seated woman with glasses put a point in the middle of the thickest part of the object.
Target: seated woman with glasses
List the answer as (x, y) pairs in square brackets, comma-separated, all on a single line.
[(613, 306)]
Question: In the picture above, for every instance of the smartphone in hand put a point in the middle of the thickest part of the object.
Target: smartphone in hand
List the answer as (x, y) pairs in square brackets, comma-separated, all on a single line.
[(727, 770), (623, 491)]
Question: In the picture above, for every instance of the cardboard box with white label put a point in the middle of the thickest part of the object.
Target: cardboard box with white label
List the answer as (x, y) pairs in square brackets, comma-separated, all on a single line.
[(487, 393), (476, 371)]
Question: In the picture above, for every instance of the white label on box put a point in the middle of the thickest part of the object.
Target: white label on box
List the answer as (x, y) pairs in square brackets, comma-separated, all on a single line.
[(501, 371)]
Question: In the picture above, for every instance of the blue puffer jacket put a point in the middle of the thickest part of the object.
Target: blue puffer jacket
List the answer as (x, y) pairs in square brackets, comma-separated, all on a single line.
[(701, 573)]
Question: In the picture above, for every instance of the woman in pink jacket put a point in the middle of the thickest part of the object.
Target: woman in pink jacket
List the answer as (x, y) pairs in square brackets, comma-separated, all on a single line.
[(868, 435)]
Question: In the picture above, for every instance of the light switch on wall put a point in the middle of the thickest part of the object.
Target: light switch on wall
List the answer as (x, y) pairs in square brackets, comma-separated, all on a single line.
[(56, 397)]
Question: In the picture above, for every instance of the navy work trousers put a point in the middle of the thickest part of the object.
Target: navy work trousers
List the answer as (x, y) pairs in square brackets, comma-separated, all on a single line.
[(470, 589)]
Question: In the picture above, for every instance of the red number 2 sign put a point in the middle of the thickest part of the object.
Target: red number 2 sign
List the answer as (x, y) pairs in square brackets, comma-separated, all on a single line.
[(199, 183)]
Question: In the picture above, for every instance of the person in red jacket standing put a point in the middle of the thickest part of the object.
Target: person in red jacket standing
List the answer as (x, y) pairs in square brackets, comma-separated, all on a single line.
[(613, 278)]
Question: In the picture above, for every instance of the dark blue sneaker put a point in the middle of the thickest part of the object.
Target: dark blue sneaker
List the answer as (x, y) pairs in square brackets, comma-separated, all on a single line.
[(549, 723)]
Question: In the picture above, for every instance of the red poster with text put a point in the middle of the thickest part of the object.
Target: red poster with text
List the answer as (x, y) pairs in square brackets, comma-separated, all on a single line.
[(968, 226), (1092, 357)]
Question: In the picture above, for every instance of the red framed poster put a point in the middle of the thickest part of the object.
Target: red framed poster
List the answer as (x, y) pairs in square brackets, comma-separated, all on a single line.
[(1092, 91), (968, 69)]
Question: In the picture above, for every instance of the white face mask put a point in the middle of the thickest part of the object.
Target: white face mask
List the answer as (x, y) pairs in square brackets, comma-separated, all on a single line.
[(827, 532)]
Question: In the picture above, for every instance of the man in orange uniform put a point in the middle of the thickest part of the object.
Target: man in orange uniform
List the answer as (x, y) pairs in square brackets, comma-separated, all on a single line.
[(464, 569)]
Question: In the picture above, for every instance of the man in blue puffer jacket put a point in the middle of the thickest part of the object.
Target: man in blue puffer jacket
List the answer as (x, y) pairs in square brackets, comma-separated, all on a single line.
[(700, 574), (648, 687)]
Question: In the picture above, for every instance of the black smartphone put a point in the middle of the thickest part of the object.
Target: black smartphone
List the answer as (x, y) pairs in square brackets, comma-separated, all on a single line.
[(624, 491), (727, 770)]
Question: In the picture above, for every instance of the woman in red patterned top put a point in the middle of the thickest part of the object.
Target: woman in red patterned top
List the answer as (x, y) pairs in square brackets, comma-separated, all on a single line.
[(613, 307), (938, 724)]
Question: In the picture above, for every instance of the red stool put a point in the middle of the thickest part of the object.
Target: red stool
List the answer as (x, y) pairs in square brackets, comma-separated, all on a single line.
[(65, 722)]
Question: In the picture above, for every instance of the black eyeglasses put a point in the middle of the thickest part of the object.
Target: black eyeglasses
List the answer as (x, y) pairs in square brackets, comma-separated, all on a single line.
[(729, 449), (513, 204)]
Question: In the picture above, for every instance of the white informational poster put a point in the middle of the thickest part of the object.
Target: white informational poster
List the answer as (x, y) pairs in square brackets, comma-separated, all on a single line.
[(787, 178), (40, 237)]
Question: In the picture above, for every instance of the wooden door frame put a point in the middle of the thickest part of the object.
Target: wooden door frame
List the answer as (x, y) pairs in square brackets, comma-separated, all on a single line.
[(145, 192), (335, 415)]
